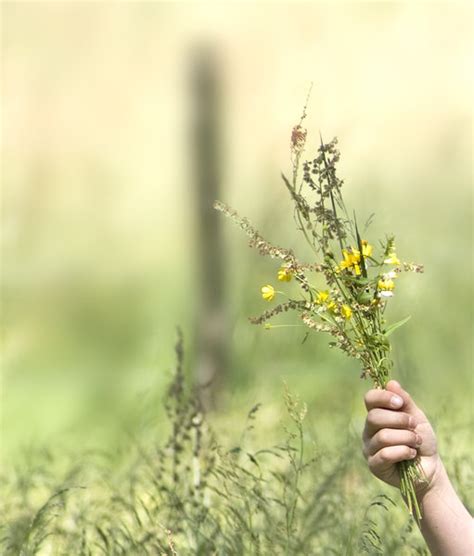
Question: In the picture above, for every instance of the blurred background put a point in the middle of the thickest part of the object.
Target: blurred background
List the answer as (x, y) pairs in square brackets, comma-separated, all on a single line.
[(121, 122)]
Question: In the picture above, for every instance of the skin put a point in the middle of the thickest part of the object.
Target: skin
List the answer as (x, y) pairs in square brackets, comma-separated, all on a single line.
[(396, 430)]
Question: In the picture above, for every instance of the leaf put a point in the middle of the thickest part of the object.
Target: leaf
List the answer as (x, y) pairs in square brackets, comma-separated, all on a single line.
[(359, 245), (396, 325)]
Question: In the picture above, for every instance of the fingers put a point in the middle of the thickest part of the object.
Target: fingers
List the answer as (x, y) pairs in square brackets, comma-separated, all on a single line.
[(392, 437), (395, 389), (389, 434), (382, 398), (385, 458), (379, 418)]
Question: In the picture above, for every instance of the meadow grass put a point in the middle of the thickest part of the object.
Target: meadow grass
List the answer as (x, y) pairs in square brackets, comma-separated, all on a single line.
[(206, 489), (433, 359)]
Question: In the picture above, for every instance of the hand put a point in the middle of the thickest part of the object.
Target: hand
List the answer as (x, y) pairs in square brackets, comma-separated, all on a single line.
[(396, 430)]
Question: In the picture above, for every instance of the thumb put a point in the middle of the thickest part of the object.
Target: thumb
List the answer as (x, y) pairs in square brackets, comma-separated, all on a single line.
[(409, 406)]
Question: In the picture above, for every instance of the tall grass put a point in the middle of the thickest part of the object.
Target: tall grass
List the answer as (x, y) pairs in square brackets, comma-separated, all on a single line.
[(194, 492)]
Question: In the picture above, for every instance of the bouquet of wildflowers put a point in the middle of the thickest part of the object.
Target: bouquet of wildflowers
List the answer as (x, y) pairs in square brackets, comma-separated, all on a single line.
[(358, 278)]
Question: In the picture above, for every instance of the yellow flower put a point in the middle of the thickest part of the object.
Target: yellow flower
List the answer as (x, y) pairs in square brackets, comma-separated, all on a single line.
[(366, 248), (351, 260), (346, 312), (392, 259), (386, 286), (347, 262), (285, 274), (268, 292), (322, 296), (332, 307)]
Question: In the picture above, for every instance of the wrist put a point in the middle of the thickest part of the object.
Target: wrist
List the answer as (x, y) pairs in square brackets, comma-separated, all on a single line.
[(438, 483)]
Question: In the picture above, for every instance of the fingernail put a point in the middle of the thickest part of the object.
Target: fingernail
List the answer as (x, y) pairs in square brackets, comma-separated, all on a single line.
[(412, 454), (411, 423), (418, 440), (396, 401)]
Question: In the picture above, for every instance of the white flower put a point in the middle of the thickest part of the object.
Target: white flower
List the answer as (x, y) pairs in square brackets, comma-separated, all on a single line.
[(390, 275), (385, 293)]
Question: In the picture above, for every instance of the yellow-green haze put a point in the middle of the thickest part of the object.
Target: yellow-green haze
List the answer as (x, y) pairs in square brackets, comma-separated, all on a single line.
[(99, 254)]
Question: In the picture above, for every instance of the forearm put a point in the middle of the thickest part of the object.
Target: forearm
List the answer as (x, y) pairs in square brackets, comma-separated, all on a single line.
[(447, 527)]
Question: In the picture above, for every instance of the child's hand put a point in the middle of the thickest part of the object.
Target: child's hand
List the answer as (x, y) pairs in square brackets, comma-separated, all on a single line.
[(396, 430)]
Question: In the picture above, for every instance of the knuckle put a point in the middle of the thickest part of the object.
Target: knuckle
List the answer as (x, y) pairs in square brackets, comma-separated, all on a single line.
[(372, 417), (374, 397), (371, 464), (383, 437), (365, 433), (370, 398), (384, 455)]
